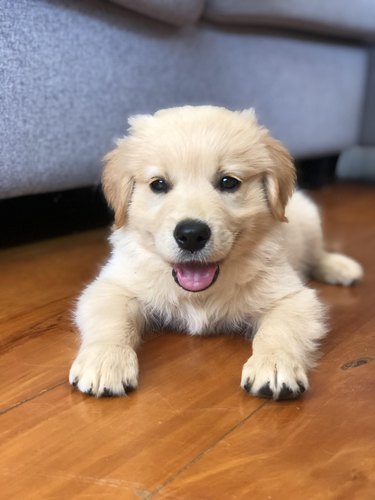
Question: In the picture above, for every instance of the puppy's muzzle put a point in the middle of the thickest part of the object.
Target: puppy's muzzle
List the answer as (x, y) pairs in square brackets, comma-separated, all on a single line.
[(192, 235), (193, 275)]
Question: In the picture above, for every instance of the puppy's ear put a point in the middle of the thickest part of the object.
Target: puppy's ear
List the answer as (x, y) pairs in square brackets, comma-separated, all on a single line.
[(280, 177), (117, 182)]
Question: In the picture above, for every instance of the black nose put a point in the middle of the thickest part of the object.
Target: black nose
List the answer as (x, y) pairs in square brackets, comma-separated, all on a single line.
[(192, 235)]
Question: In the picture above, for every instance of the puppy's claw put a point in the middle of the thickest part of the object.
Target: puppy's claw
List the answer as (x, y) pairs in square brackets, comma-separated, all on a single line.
[(284, 394), (287, 393), (105, 371), (265, 391), (247, 386), (275, 376), (107, 393), (302, 388), (128, 388)]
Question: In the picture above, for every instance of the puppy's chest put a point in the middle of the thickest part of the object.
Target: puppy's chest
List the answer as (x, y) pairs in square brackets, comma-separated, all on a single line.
[(198, 319)]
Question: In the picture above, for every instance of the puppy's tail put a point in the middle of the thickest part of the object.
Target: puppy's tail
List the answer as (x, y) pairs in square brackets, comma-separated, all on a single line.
[(336, 269)]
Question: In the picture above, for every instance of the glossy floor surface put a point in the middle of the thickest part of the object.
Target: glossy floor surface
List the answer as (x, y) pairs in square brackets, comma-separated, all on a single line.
[(188, 432)]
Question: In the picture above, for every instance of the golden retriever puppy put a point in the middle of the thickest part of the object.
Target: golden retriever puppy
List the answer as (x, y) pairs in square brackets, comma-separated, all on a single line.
[(205, 241)]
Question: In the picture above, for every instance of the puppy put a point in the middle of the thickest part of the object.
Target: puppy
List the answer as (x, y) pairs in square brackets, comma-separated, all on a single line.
[(205, 241)]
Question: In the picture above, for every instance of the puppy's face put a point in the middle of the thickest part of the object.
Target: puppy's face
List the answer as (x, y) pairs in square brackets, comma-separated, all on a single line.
[(198, 185)]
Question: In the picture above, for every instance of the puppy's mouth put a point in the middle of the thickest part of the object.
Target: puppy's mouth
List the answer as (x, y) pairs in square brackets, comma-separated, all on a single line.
[(195, 276)]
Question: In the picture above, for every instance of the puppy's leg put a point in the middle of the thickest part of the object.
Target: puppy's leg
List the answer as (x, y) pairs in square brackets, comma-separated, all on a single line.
[(307, 252), (336, 269), (328, 267), (285, 347), (110, 323)]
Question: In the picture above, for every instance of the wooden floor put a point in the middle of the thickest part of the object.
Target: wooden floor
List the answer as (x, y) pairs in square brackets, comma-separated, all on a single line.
[(189, 432)]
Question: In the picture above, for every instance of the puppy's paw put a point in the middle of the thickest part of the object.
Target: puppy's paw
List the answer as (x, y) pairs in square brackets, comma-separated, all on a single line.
[(274, 376), (105, 370), (338, 269)]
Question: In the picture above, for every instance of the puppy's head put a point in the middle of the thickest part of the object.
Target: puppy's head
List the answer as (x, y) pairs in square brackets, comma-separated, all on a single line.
[(197, 184)]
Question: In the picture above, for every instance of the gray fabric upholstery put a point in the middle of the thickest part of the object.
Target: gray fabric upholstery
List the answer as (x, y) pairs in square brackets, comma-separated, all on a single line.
[(368, 131), (72, 72), (354, 18), (178, 12)]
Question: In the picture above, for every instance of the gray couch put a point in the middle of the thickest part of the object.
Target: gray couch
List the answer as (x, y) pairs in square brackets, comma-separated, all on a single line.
[(73, 71)]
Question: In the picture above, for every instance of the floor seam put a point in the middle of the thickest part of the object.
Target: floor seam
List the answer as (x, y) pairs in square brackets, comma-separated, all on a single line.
[(31, 398), (200, 455)]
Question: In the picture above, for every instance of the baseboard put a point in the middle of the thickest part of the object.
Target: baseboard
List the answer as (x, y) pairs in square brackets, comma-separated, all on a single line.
[(42, 216)]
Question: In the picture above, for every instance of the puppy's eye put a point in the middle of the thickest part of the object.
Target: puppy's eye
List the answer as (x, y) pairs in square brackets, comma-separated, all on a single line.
[(228, 183), (160, 186)]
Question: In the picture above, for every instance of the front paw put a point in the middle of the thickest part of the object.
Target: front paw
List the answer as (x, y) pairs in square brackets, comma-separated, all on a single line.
[(274, 376), (105, 370)]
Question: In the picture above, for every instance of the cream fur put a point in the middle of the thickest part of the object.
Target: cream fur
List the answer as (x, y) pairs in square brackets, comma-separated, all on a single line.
[(263, 259)]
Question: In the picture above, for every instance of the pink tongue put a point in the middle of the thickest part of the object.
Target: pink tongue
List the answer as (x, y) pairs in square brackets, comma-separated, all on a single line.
[(194, 276)]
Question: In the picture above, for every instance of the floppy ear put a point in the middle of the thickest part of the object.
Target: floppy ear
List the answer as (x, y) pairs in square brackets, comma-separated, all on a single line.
[(280, 178), (117, 182)]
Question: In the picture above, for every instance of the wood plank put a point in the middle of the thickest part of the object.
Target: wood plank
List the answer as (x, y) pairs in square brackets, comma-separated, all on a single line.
[(188, 398), (38, 287), (320, 447), (39, 356), (37, 274), (189, 431)]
